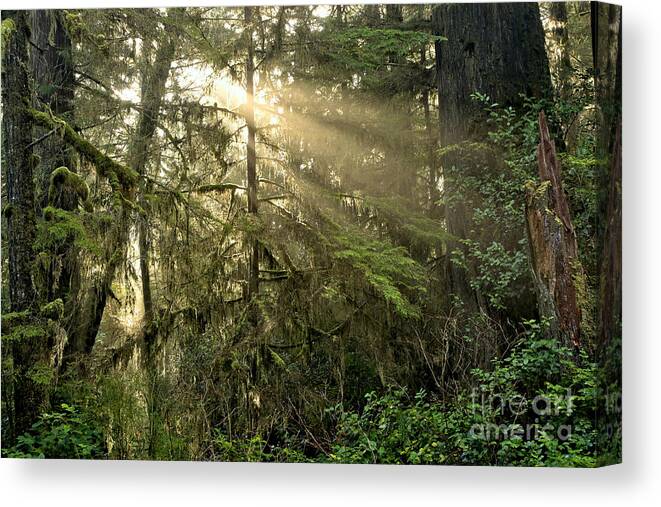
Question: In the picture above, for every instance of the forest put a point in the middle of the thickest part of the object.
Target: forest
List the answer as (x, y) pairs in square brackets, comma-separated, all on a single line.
[(383, 234)]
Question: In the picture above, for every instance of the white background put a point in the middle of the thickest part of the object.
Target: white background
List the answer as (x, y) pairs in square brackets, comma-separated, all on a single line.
[(636, 482)]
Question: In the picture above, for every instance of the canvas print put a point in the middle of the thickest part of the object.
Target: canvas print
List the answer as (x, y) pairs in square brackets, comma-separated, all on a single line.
[(378, 233)]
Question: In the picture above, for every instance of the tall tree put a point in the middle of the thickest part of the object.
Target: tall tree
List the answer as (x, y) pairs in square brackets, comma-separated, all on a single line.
[(57, 183), (18, 164), (53, 72), (251, 157), (505, 62), (607, 61), (154, 76), (18, 158)]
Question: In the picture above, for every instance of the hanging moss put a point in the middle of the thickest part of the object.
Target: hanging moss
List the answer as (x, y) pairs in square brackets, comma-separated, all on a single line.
[(60, 228), (63, 177), (53, 310), (8, 28)]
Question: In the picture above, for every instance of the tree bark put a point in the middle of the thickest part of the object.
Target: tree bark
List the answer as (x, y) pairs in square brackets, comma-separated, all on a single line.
[(19, 163), (29, 396), (610, 307), (607, 60), (496, 49), (52, 68), (553, 246), (253, 277), (609, 338)]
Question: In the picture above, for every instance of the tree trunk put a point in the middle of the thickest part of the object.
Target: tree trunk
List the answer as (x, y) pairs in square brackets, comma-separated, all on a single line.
[(553, 247), (253, 277), (609, 338), (91, 303), (19, 163), (154, 78), (29, 396), (607, 57), (52, 68), (610, 300), (559, 51), (496, 49), (432, 181)]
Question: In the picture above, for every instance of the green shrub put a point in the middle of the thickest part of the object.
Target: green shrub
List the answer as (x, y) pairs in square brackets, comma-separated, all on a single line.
[(65, 434), (253, 449), (534, 408)]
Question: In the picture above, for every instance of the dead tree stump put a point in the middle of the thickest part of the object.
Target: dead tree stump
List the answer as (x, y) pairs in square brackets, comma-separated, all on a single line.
[(556, 268)]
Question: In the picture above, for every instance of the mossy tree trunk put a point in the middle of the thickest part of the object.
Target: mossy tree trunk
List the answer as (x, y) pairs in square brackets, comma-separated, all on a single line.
[(19, 162), (27, 350), (123, 180), (52, 69)]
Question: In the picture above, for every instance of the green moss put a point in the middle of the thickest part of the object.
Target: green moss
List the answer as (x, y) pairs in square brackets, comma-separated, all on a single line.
[(117, 174), (61, 228), (585, 299), (8, 28), (63, 177), (14, 318), (53, 310)]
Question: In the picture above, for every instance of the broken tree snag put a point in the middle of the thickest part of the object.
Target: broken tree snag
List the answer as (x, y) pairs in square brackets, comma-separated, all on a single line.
[(553, 248), (610, 297)]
